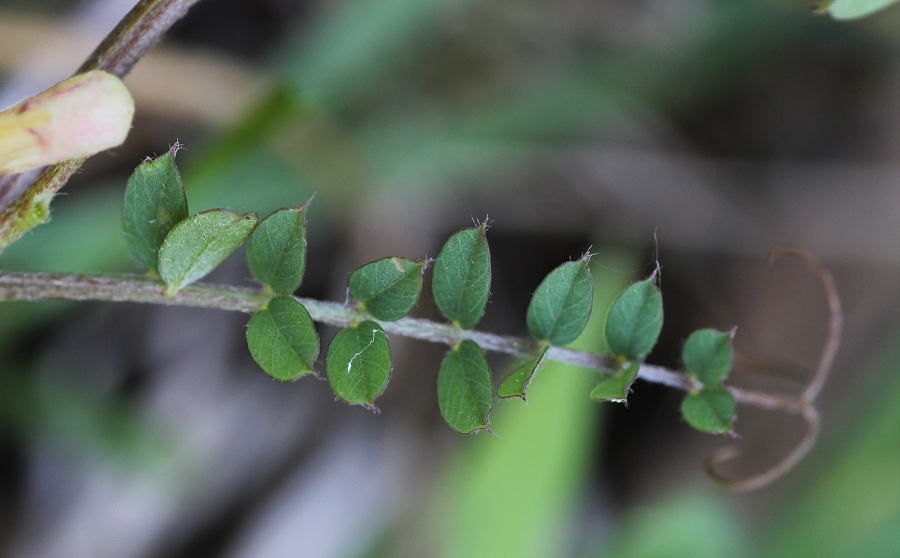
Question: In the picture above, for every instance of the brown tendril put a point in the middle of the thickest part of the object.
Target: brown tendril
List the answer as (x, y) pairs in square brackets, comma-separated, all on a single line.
[(802, 405)]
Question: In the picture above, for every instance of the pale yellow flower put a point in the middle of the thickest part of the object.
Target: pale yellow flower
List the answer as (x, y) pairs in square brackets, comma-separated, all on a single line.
[(78, 117)]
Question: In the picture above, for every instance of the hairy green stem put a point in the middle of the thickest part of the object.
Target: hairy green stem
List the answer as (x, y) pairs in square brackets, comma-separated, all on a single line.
[(144, 289), (23, 206)]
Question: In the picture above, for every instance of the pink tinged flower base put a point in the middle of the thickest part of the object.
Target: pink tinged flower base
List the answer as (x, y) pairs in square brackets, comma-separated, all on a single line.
[(78, 117)]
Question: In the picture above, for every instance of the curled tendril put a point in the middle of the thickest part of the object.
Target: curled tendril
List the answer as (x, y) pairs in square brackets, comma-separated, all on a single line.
[(802, 405)]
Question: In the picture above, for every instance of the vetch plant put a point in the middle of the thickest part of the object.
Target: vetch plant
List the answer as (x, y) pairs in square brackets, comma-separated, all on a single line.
[(178, 249)]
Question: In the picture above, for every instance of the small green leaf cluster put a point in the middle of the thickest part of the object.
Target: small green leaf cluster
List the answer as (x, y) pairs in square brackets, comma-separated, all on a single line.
[(162, 235), (708, 355), (461, 283), (181, 248)]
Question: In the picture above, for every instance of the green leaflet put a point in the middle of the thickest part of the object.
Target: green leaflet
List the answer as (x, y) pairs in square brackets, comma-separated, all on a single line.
[(154, 203), (851, 9), (462, 277), (358, 363), (387, 288), (615, 388), (283, 340), (464, 388), (516, 384), (195, 246), (634, 321), (710, 409), (276, 251), (561, 305), (708, 355)]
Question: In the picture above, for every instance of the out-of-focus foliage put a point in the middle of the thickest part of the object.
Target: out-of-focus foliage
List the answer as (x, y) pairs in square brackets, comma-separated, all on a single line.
[(853, 9)]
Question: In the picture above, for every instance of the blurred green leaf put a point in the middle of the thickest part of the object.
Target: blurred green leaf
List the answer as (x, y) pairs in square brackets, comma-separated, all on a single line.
[(615, 387), (358, 363), (845, 500), (635, 320), (561, 305), (387, 288), (154, 203), (195, 246), (464, 388), (355, 43), (516, 384), (276, 250), (852, 9), (72, 417), (85, 235), (283, 340), (691, 524), (462, 276), (710, 409), (708, 355)]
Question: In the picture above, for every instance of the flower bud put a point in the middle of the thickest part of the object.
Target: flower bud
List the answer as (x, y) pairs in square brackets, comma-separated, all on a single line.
[(78, 117)]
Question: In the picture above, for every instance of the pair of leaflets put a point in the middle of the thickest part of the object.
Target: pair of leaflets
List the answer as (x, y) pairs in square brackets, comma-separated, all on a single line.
[(162, 235), (359, 358), (708, 355)]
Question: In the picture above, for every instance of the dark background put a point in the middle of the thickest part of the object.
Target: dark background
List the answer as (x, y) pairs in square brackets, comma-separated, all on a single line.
[(704, 133)]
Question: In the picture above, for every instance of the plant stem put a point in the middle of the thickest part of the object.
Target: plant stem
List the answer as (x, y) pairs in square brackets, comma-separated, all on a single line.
[(143, 289), (25, 206)]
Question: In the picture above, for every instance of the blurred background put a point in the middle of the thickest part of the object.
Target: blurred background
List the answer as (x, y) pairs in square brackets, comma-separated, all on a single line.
[(708, 132)]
